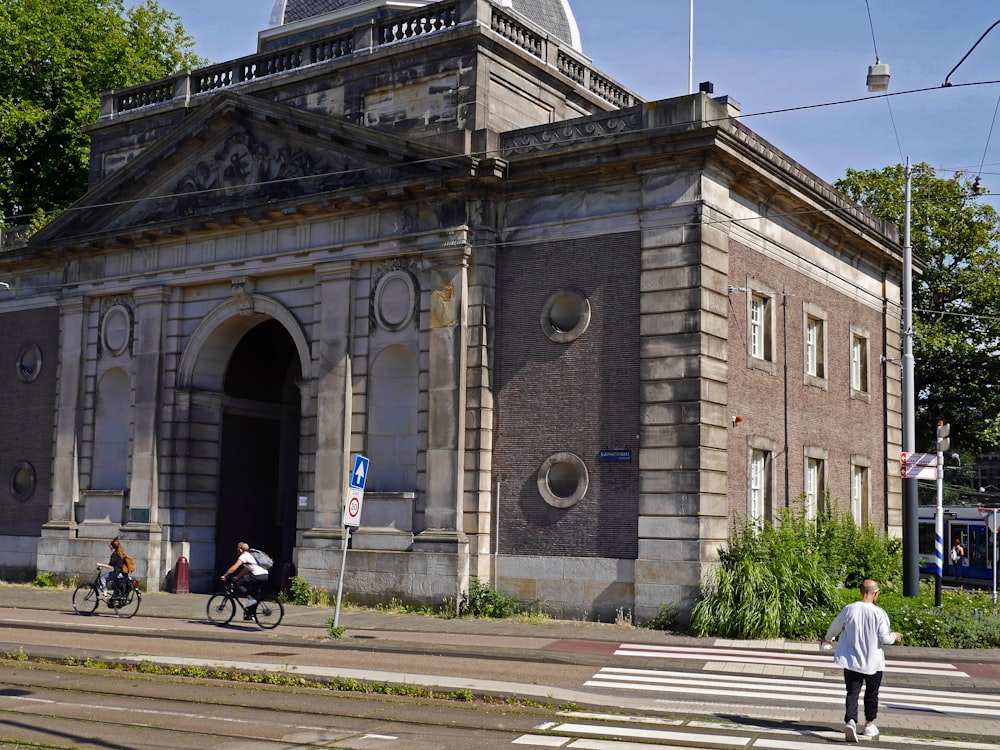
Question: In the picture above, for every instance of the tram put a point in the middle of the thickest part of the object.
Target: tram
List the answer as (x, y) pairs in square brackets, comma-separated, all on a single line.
[(966, 524)]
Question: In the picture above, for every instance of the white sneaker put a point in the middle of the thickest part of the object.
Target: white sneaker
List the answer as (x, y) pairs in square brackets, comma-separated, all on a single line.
[(103, 594), (850, 731), (870, 731)]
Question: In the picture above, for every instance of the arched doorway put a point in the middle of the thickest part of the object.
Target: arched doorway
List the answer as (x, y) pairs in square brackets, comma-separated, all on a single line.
[(259, 443)]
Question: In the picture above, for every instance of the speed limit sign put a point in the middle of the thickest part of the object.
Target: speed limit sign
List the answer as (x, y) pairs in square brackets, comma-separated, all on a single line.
[(352, 508)]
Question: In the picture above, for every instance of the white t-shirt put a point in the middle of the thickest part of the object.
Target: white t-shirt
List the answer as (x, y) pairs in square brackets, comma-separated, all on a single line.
[(863, 628), (247, 559)]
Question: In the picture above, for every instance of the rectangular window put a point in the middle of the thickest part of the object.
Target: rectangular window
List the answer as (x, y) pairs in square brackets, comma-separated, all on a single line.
[(760, 485), (815, 483), (859, 363), (859, 494), (814, 345), (760, 327)]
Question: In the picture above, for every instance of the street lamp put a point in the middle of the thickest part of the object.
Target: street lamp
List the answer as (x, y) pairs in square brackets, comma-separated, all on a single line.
[(911, 526), (878, 76)]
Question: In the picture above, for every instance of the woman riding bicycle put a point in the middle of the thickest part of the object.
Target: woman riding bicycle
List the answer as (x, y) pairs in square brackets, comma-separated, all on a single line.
[(248, 575), (115, 564)]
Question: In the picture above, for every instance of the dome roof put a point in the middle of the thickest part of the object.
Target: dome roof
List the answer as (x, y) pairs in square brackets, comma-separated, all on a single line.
[(554, 16)]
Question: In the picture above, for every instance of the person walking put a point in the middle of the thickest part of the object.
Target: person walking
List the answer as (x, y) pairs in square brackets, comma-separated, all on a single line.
[(863, 630), (957, 558)]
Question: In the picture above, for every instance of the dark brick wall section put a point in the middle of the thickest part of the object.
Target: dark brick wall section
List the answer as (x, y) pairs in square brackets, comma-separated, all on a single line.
[(30, 407), (580, 397)]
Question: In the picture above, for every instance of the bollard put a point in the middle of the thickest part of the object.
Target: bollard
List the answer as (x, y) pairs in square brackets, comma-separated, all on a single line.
[(287, 573), (181, 576)]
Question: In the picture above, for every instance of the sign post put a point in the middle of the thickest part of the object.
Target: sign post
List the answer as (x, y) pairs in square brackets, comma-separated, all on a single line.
[(943, 443), (990, 518), (352, 519)]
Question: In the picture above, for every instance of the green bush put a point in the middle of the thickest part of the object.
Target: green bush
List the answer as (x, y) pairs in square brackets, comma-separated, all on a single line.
[(966, 619), (484, 600), (785, 579)]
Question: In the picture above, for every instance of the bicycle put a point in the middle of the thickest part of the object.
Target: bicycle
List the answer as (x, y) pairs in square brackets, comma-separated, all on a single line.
[(124, 596), (221, 608)]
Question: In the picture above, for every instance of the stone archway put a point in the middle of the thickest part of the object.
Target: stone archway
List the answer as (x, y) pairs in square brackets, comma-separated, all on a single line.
[(239, 435), (258, 452)]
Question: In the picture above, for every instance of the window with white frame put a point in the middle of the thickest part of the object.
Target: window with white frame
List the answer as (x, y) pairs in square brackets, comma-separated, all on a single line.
[(859, 362), (760, 479), (760, 326), (814, 487), (814, 344), (859, 491)]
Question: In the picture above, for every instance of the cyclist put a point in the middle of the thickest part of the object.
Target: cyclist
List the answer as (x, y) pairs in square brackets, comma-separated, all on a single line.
[(249, 577), (114, 565)]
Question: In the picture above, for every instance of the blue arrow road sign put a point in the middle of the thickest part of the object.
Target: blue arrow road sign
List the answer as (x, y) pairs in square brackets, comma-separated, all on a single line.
[(360, 472)]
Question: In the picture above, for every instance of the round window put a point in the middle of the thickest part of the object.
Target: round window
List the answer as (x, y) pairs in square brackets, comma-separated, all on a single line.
[(563, 480), (29, 362), (565, 315), (22, 480)]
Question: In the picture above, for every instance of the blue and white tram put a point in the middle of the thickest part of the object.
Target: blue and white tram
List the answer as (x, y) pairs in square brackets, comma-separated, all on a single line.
[(965, 524)]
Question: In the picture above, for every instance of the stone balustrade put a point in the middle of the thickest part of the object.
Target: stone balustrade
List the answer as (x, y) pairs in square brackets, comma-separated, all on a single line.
[(343, 43)]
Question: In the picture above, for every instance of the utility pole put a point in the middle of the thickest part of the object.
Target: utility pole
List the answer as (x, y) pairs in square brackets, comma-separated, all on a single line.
[(911, 526), (943, 443)]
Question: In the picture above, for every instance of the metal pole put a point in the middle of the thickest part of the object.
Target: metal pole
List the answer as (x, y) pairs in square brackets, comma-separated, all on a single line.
[(691, 48), (996, 536), (340, 583), (496, 540), (939, 527), (911, 561)]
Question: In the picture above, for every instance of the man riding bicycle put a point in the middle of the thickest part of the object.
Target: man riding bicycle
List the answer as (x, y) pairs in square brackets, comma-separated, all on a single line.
[(248, 576)]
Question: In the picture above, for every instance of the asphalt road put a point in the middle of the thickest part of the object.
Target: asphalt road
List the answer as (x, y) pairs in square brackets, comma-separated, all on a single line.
[(577, 685)]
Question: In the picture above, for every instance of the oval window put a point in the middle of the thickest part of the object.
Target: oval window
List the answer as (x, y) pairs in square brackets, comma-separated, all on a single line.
[(29, 362), (22, 480)]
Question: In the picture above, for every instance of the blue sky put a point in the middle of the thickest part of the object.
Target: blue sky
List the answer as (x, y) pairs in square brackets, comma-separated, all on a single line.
[(774, 56)]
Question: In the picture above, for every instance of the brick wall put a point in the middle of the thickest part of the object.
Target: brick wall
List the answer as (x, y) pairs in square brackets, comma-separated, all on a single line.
[(580, 397), (30, 408), (778, 405)]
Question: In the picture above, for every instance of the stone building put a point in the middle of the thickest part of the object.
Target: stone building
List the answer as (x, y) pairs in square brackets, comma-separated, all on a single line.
[(578, 334)]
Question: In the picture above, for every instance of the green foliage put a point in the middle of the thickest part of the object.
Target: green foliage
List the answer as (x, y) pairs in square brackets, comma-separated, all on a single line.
[(45, 580), (300, 592), (334, 631), (665, 619), (57, 58), (956, 298), (484, 600), (966, 619), (783, 579)]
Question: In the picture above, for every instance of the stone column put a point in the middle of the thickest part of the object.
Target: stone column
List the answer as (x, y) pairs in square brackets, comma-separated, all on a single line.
[(447, 355), (333, 397), (144, 485), (65, 480), (142, 527)]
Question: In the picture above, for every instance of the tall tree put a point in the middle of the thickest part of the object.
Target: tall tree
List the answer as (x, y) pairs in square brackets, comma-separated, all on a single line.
[(57, 58), (956, 298)]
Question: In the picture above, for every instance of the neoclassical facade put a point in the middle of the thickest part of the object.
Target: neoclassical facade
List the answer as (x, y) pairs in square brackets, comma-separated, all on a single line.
[(579, 335)]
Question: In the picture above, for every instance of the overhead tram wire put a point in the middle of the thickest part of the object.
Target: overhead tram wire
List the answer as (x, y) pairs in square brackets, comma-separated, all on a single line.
[(488, 154)]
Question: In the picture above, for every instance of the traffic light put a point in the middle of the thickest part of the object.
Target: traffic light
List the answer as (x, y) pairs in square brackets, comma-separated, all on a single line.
[(943, 443)]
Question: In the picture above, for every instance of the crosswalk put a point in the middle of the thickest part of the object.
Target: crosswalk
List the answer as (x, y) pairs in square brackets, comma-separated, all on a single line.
[(804, 660), (802, 692), (594, 731), (758, 688)]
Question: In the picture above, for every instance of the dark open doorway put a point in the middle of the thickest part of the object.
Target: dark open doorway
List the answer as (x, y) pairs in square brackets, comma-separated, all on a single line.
[(258, 473)]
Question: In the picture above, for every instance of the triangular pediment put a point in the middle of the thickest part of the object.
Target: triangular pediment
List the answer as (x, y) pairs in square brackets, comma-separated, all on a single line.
[(238, 156)]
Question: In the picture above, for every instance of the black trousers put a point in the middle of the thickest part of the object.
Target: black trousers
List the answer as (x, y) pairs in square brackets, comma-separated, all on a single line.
[(854, 680)]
